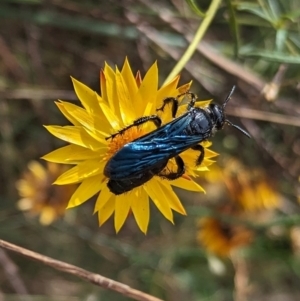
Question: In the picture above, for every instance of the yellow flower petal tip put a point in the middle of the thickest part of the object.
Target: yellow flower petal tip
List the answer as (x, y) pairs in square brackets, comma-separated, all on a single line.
[(125, 97)]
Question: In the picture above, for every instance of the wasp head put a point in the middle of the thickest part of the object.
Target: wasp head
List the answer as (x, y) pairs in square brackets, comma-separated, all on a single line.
[(220, 118)]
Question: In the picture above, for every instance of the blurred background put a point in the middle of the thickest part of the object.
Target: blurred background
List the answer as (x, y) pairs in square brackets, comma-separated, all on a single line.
[(240, 240)]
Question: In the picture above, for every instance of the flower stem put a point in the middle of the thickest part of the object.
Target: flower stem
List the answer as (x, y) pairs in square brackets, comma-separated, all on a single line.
[(196, 40)]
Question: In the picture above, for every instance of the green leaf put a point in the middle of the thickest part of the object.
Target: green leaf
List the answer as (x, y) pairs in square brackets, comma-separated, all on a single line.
[(234, 26), (274, 9), (195, 7), (295, 39), (293, 15), (281, 36), (255, 9), (272, 56)]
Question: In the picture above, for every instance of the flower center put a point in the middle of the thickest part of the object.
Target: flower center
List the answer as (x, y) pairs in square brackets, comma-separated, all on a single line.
[(120, 140)]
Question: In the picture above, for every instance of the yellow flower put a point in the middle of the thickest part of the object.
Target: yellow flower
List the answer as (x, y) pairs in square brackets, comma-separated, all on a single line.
[(124, 98), (39, 196), (221, 238), (247, 187)]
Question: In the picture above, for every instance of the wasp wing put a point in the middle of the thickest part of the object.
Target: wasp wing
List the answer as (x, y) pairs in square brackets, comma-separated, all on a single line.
[(151, 150), (137, 157)]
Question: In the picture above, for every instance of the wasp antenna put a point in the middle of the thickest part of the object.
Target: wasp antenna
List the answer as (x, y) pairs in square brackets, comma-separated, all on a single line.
[(228, 97), (238, 128)]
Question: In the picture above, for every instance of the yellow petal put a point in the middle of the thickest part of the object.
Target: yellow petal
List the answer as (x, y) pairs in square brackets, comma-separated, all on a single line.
[(203, 103), (207, 162), (103, 197), (86, 190), (107, 210), (172, 198), (25, 189), (125, 103), (182, 109), (80, 115), (113, 119), (183, 106), (130, 82), (87, 97), (80, 172), (202, 168), (159, 198), (101, 121), (38, 170), (150, 107), (190, 156), (147, 91), (71, 154), (99, 136), (168, 90), (111, 90), (122, 206), (65, 112), (183, 101), (187, 184), (184, 88), (210, 154), (140, 208), (206, 143), (25, 204), (54, 169), (74, 134), (47, 216)]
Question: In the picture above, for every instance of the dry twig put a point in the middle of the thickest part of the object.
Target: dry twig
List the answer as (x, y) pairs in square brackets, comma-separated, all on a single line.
[(12, 273), (81, 273)]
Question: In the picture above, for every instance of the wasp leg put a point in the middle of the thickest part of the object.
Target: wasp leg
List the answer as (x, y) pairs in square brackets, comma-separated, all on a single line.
[(153, 118), (199, 148), (177, 174), (192, 101), (173, 101)]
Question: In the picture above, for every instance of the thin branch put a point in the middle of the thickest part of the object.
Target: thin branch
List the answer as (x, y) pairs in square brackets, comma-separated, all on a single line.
[(12, 273), (263, 115), (241, 278), (81, 273), (287, 164), (37, 94)]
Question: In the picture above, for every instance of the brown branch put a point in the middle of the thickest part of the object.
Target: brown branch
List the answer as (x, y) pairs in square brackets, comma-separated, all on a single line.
[(262, 115), (81, 273), (286, 163), (241, 278), (37, 94), (12, 273)]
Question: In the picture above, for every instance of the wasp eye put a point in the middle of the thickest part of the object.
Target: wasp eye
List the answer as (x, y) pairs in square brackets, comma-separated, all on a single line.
[(218, 116)]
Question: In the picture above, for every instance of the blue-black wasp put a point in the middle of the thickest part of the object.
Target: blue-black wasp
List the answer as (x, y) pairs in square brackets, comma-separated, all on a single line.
[(147, 156)]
